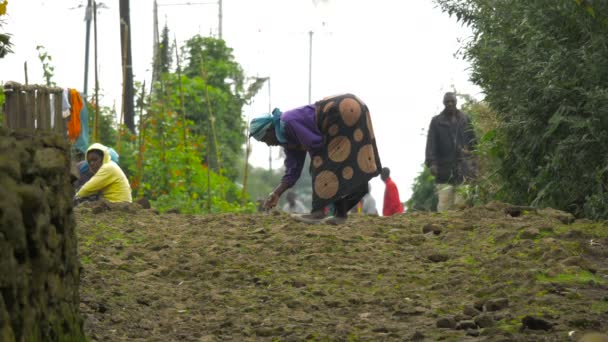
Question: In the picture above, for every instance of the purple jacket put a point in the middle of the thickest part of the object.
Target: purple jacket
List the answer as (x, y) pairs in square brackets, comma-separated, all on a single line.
[(302, 135)]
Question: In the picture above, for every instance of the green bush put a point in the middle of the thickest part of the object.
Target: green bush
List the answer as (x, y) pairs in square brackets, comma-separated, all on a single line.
[(423, 197), (541, 65)]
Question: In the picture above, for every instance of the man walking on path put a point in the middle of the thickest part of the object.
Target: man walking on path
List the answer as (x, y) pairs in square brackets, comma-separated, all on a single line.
[(449, 146), (392, 203)]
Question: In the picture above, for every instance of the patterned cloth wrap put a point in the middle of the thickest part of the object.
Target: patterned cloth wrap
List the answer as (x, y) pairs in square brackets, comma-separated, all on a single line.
[(350, 156)]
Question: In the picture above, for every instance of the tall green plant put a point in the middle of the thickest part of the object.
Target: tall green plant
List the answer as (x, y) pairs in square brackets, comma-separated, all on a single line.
[(215, 92), (202, 171), (175, 175), (48, 71), (541, 66), (489, 185)]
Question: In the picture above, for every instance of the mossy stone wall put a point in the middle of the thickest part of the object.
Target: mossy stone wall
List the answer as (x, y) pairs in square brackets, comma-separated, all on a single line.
[(39, 265)]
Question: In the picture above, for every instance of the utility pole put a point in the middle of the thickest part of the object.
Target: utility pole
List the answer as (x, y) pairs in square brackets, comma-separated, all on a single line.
[(25, 71), (87, 18), (125, 35), (310, 67), (155, 40), (219, 26), (96, 117)]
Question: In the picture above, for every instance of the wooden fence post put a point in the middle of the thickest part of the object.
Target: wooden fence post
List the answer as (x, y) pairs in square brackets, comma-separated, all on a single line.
[(11, 90), (44, 108), (30, 107), (22, 107)]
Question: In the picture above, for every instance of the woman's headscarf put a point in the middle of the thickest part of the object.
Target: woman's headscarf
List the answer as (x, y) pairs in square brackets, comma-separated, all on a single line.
[(259, 126)]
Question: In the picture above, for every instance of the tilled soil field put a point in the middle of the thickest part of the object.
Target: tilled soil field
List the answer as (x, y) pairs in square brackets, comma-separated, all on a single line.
[(492, 273)]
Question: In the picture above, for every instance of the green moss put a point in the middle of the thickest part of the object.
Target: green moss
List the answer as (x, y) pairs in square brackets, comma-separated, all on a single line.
[(491, 240), (600, 307), (511, 326), (583, 277), (542, 310), (574, 247), (469, 260), (85, 260), (353, 337), (543, 234)]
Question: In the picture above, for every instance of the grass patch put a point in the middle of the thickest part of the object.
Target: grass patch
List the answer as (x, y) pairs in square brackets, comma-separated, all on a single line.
[(583, 277), (511, 326), (85, 260), (600, 307), (544, 233), (468, 260)]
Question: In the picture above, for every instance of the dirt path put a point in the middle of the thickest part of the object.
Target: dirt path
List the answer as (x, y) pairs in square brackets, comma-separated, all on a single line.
[(477, 275)]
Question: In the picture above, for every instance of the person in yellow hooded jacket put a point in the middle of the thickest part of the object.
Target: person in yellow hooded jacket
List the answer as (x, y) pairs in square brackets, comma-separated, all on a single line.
[(108, 179)]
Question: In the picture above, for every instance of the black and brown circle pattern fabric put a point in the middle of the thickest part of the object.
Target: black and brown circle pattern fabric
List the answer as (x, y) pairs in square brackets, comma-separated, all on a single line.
[(350, 111), (350, 156), (339, 149), (317, 161), (347, 173), (326, 184), (358, 135), (366, 160)]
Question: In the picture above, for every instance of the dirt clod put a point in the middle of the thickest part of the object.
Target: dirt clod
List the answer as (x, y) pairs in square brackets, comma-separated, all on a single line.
[(535, 323), (496, 304)]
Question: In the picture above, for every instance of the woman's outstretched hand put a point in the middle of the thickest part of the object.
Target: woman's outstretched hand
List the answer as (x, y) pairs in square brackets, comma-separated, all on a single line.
[(271, 201)]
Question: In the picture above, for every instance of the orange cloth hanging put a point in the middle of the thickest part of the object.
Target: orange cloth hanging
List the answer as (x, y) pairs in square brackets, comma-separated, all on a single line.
[(74, 123)]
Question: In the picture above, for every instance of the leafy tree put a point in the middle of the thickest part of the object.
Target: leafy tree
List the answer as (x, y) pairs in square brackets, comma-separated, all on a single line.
[(5, 38), (214, 58), (214, 94), (166, 57), (163, 56), (541, 66), (193, 130), (214, 107)]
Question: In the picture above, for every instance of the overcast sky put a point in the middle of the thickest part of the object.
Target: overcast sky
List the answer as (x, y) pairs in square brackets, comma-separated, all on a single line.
[(396, 55)]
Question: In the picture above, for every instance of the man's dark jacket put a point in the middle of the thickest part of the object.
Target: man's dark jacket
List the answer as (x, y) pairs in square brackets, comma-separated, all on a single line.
[(449, 146)]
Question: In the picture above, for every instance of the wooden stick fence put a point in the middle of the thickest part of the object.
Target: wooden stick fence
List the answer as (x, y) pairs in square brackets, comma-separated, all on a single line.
[(33, 107)]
